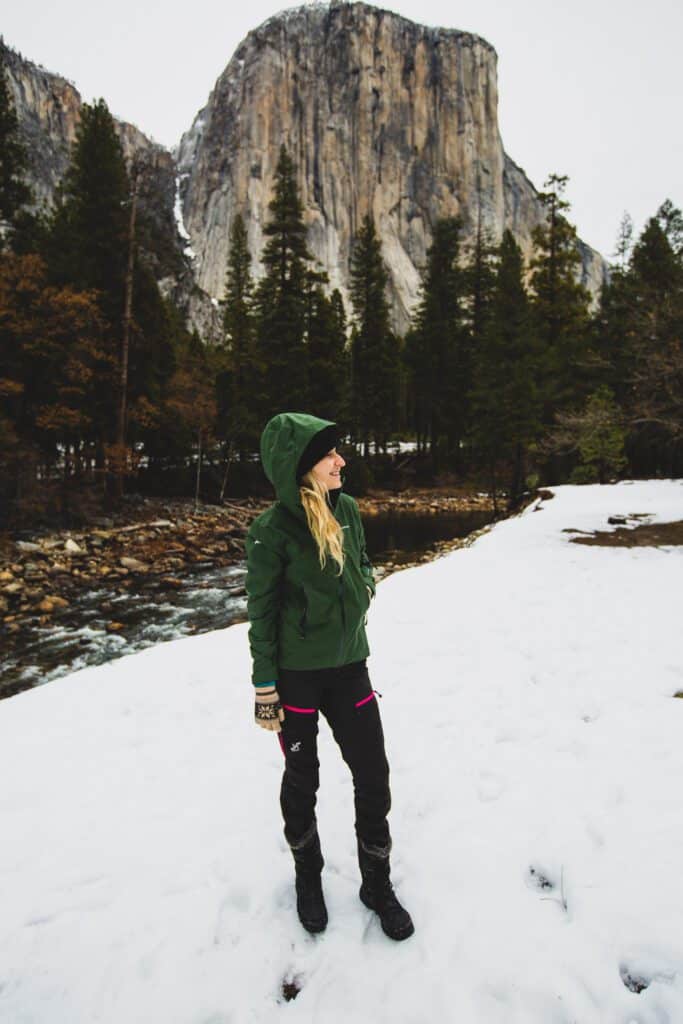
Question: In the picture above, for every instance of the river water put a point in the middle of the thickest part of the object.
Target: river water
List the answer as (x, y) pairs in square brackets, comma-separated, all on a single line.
[(207, 598)]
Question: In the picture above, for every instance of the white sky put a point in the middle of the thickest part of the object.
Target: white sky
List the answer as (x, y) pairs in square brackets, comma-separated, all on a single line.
[(591, 89)]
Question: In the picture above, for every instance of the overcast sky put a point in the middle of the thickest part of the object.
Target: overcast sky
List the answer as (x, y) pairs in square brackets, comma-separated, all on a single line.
[(591, 89)]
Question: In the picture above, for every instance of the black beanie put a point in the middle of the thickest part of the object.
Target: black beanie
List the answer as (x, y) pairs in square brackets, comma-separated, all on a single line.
[(317, 447)]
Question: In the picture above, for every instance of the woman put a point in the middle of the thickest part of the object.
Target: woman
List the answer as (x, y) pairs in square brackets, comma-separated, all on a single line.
[(309, 585)]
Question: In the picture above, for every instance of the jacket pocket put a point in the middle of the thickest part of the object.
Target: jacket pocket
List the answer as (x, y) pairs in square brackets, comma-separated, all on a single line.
[(362, 590), (358, 600)]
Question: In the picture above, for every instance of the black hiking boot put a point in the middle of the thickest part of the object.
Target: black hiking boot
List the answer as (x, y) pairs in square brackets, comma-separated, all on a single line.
[(310, 903), (377, 893)]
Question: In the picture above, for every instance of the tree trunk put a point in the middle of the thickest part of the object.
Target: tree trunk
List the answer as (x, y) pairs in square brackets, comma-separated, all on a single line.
[(125, 341), (199, 470), (227, 469)]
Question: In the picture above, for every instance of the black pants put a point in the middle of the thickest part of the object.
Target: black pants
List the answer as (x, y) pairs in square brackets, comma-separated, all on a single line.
[(345, 697)]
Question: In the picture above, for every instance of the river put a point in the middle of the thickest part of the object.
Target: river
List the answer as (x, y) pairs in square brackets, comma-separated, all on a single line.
[(203, 600)]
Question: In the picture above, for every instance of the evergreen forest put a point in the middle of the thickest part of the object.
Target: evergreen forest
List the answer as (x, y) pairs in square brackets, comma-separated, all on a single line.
[(509, 377)]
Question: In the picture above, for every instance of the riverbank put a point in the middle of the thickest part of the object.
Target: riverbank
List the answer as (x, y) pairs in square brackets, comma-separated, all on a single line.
[(164, 538), (40, 577), (160, 568)]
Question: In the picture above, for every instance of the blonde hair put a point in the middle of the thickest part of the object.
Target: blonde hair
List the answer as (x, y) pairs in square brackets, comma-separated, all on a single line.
[(326, 530)]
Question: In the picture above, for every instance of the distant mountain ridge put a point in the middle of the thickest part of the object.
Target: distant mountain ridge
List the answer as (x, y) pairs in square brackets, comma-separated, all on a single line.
[(381, 115)]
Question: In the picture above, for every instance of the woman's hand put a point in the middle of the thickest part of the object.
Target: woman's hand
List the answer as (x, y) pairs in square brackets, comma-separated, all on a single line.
[(268, 712)]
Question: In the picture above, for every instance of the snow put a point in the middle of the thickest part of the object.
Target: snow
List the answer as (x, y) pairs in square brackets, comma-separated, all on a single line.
[(180, 223), (536, 759), (396, 446)]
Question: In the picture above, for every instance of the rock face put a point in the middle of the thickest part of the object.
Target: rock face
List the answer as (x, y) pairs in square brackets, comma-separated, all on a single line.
[(48, 109), (381, 116)]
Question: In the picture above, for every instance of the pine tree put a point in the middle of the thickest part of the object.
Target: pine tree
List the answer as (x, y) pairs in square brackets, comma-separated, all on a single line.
[(191, 404), (281, 300), (654, 296), (328, 360), (88, 244), (152, 359), (374, 348), (152, 426), (670, 219), (504, 399), (637, 331), (438, 348), (237, 378), (596, 434), (479, 281), (560, 303), (609, 328), (624, 244), (93, 244), (601, 441)]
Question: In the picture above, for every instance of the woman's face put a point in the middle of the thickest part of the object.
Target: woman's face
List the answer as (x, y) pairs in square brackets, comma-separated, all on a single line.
[(328, 469)]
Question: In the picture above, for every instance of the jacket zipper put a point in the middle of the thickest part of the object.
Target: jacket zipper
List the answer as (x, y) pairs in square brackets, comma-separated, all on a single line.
[(343, 617), (341, 604)]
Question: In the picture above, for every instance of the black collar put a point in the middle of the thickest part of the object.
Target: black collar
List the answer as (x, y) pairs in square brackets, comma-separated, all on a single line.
[(333, 496)]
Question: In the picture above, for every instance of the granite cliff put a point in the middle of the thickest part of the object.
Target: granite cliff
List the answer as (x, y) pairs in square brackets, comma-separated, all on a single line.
[(381, 115)]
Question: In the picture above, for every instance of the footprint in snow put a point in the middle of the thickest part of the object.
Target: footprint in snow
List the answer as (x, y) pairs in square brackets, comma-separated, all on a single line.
[(540, 879), (547, 885), (633, 981), (637, 974), (290, 987)]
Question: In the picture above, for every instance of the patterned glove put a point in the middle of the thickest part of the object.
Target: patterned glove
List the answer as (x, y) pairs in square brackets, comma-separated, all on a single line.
[(268, 712)]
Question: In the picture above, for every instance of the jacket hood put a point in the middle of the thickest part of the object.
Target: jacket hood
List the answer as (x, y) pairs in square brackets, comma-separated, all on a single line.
[(283, 441)]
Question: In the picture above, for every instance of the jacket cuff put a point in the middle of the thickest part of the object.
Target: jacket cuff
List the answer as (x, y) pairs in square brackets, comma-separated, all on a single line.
[(264, 674)]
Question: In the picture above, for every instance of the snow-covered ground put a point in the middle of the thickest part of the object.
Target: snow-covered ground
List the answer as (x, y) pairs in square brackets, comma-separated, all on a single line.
[(537, 777)]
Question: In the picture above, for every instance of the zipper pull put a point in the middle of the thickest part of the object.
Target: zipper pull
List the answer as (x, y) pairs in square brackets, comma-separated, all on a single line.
[(377, 692)]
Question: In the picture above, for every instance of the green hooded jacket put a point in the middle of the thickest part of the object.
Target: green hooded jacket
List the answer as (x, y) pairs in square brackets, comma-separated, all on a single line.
[(302, 616)]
